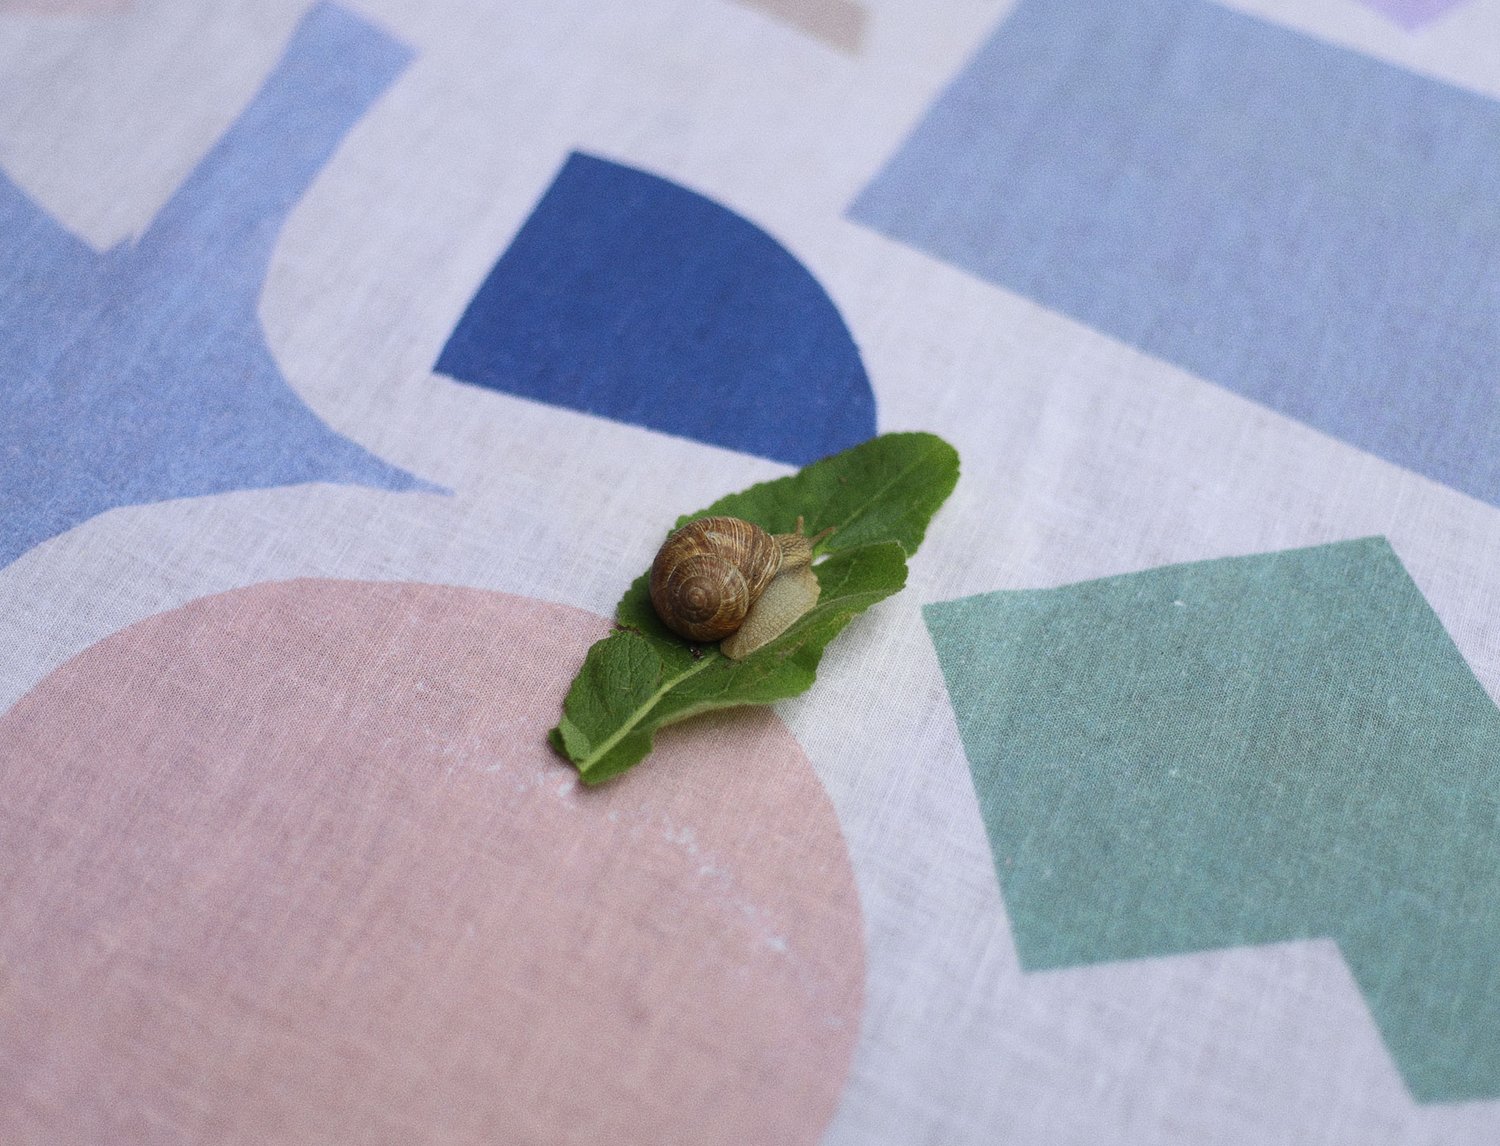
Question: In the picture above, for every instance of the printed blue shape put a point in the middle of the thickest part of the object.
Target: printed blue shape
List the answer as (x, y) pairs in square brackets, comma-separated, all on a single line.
[(142, 374), (1310, 228), (630, 297)]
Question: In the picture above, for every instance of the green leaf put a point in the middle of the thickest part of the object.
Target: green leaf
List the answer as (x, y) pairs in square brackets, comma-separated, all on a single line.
[(878, 496), (886, 489)]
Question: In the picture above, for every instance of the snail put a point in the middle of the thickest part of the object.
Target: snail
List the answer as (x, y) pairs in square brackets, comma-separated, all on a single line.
[(721, 577)]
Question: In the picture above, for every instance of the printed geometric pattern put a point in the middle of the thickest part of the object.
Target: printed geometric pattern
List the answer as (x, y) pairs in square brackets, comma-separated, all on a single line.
[(1303, 225), (294, 862), (841, 23), (1244, 751), (142, 374), (1413, 14), (627, 296)]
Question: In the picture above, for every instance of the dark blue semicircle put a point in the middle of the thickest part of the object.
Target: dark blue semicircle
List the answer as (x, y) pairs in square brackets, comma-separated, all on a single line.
[(628, 296)]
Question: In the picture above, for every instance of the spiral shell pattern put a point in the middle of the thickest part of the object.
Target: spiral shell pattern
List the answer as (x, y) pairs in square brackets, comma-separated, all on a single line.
[(708, 574)]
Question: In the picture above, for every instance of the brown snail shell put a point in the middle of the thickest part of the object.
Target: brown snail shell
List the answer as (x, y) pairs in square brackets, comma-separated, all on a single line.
[(708, 574)]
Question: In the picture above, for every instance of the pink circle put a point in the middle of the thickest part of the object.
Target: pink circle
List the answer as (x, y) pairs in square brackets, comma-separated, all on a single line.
[(293, 863)]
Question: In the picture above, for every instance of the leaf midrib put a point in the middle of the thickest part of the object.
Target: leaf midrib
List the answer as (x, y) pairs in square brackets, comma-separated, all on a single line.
[(876, 496), (824, 610), (640, 714)]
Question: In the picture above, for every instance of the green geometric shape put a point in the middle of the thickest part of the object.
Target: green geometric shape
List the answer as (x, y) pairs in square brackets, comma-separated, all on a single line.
[(1245, 751)]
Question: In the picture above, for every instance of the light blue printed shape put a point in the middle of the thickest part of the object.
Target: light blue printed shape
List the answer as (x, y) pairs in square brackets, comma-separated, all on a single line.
[(142, 374), (1313, 229)]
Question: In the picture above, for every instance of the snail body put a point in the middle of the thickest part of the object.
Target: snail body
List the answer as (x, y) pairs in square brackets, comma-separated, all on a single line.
[(791, 593), (709, 577)]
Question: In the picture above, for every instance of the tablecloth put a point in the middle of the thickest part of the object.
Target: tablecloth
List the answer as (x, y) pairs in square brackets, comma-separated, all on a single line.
[(358, 355)]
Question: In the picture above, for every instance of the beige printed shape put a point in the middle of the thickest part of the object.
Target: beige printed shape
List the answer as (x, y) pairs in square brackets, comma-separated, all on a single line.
[(840, 23)]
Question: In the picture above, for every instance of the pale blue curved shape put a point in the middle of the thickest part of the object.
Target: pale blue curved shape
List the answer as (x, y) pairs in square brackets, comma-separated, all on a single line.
[(142, 374)]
